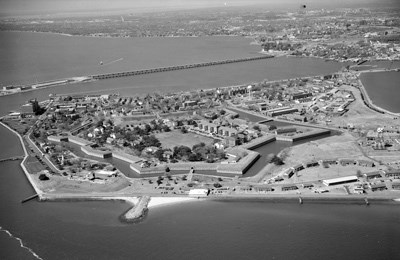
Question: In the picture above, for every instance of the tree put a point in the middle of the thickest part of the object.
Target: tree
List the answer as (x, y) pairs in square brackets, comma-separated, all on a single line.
[(43, 177), (217, 185), (277, 160)]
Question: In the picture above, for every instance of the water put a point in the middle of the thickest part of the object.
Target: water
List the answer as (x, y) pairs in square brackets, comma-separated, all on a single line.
[(383, 89), (214, 230)]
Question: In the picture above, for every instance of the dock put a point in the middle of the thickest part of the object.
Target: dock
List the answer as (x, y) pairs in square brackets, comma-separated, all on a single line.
[(12, 158), (30, 198)]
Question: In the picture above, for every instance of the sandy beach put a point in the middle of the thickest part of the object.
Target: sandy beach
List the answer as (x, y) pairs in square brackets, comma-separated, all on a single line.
[(164, 201)]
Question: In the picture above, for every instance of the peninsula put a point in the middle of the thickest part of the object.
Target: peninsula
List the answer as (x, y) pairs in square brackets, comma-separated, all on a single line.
[(204, 144)]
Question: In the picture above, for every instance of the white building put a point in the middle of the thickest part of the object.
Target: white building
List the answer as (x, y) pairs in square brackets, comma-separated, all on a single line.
[(198, 192)]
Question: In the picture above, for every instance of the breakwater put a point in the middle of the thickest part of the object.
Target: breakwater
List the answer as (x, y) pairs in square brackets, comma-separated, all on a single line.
[(172, 68), (138, 212)]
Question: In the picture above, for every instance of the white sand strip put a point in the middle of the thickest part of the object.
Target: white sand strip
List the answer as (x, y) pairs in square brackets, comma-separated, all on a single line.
[(164, 201)]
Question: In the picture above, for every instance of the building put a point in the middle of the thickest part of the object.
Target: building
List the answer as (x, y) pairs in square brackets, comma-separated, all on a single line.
[(372, 136), (396, 186), (289, 187), (393, 174), (358, 189), (298, 167), (231, 141), (58, 138), (366, 163), (342, 180), (346, 162), (372, 175), (227, 131), (312, 164), (208, 127), (307, 186), (281, 111), (378, 187), (284, 130), (199, 192), (300, 95)]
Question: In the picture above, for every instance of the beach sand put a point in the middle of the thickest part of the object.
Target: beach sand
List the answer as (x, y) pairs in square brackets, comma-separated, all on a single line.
[(163, 201)]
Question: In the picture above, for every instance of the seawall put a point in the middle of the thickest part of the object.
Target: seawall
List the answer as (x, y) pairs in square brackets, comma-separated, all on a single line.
[(27, 174)]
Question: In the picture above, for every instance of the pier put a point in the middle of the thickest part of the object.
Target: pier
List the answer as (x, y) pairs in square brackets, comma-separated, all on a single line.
[(171, 68), (12, 158), (30, 198)]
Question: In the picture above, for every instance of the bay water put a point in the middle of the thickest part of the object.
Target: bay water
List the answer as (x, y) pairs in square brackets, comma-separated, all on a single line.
[(200, 230)]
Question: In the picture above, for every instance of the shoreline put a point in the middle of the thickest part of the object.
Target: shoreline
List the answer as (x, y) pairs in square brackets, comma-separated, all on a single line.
[(367, 100), (157, 202), (26, 155)]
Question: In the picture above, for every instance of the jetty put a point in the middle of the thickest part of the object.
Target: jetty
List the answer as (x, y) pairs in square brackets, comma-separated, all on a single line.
[(34, 196), (171, 68), (138, 211), (12, 158)]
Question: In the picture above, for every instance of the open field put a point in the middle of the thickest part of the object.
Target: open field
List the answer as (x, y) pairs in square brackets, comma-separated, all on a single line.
[(60, 184), (333, 147), (175, 138)]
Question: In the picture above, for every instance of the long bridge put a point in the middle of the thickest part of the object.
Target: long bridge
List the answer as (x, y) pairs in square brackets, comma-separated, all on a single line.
[(171, 68)]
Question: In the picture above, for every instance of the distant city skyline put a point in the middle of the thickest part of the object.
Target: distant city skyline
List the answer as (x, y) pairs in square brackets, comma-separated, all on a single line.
[(21, 7)]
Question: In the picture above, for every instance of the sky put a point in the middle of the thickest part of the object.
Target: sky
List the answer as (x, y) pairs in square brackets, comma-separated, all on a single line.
[(65, 6)]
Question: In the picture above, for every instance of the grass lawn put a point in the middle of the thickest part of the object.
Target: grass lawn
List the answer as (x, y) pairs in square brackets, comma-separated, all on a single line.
[(33, 165), (175, 138)]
